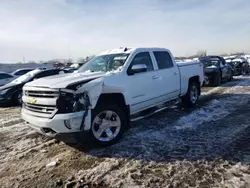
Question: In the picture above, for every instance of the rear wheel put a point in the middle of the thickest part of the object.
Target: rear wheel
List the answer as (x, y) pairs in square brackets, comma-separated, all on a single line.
[(108, 124), (192, 96)]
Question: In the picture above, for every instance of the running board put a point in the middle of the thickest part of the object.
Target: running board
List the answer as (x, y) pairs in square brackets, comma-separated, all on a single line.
[(154, 112), (142, 117)]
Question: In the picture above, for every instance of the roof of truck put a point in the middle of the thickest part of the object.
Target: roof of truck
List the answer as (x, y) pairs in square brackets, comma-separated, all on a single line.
[(129, 50)]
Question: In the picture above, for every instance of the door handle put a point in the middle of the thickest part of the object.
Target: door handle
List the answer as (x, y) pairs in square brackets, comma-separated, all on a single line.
[(155, 77)]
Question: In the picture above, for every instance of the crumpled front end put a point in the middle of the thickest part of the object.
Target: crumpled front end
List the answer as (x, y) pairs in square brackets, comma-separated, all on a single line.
[(59, 111)]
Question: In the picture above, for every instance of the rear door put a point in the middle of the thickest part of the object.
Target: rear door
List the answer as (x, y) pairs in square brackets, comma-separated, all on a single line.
[(169, 76)]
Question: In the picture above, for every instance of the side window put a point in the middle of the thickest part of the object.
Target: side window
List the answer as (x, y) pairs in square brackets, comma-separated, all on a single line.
[(4, 76), (47, 73), (163, 59), (142, 58), (21, 72), (44, 74), (221, 63)]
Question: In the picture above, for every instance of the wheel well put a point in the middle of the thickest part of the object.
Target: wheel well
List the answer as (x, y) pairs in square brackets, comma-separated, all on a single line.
[(15, 92), (115, 98), (197, 80)]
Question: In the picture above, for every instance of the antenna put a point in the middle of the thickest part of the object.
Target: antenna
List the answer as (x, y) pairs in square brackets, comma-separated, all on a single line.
[(23, 59), (69, 51)]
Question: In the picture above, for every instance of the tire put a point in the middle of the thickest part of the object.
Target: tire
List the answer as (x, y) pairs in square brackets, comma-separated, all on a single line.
[(243, 71), (231, 77), (111, 132), (192, 95), (17, 98), (247, 70), (217, 80)]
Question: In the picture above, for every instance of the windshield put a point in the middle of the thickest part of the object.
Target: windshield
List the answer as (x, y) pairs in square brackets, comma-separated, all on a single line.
[(26, 77), (105, 63), (211, 62)]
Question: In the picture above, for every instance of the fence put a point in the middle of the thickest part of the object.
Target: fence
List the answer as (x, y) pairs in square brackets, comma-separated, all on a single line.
[(12, 67)]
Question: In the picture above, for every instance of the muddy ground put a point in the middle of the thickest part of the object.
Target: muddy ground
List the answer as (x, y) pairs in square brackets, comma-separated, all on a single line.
[(203, 147)]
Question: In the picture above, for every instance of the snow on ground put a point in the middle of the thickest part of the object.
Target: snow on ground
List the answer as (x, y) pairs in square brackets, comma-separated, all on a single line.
[(217, 109), (175, 148)]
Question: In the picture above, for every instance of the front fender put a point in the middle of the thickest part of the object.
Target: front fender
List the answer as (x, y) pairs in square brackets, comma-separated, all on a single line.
[(94, 89)]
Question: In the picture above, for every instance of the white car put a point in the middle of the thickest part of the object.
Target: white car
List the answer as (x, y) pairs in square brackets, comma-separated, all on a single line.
[(108, 92), (5, 78)]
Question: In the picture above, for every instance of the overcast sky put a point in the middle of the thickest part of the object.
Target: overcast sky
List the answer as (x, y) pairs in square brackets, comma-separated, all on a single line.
[(49, 29)]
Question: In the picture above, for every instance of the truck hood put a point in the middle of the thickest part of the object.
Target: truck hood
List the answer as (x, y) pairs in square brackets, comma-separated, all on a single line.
[(63, 80)]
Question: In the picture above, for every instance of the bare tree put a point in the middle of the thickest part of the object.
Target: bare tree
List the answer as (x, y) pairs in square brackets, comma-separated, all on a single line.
[(201, 53)]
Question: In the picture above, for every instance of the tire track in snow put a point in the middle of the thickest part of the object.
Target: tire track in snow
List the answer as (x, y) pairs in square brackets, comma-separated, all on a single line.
[(162, 140)]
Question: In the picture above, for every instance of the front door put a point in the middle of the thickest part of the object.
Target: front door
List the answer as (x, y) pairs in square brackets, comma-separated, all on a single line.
[(142, 87)]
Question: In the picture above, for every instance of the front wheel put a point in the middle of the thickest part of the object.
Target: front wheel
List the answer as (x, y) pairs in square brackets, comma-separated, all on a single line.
[(108, 124), (192, 96), (17, 98)]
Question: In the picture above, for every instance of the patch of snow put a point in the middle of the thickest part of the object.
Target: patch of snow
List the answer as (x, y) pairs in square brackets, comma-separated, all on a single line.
[(217, 109), (53, 163)]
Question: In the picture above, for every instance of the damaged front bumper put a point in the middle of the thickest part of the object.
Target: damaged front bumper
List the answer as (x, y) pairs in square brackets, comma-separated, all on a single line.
[(59, 124)]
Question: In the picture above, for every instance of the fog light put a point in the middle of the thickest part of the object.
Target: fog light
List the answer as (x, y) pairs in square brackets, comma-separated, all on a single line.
[(67, 124), (73, 123)]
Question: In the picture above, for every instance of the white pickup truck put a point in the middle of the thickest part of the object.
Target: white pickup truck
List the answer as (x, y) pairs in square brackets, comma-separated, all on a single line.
[(108, 92)]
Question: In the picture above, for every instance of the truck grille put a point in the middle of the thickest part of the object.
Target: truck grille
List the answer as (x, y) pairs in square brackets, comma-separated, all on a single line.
[(42, 94), (40, 108), (40, 102)]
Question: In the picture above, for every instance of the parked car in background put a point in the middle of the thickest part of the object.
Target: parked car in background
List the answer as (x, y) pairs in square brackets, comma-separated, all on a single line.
[(70, 69), (230, 63), (74, 67), (216, 70), (11, 93), (240, 66), (20, 72), (109, 91), (5, 78)]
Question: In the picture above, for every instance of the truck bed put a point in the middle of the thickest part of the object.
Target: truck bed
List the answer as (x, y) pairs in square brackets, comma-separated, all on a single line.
[(188, 70)]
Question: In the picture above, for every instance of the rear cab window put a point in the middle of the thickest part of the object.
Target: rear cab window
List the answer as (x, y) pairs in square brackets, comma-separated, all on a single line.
[(163, 59)]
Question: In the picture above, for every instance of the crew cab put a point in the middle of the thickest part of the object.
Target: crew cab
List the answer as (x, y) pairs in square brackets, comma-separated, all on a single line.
[(108, 92)]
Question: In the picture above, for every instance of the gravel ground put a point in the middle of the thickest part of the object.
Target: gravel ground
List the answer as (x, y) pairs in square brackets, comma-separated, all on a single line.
[(203, 147)]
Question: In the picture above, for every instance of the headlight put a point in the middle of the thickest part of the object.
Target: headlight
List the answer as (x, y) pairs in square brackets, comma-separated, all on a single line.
[(69, 102)]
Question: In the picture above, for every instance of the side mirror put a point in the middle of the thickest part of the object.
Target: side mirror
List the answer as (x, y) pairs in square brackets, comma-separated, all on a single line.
[(137, 69)]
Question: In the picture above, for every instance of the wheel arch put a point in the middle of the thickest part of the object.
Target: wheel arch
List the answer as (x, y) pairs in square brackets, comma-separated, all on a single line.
[(116, 98), (197, 80)]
